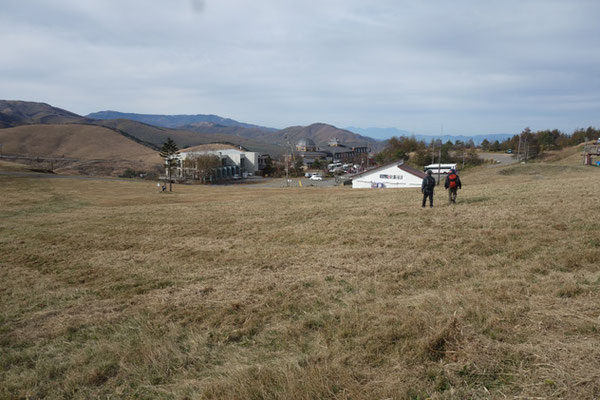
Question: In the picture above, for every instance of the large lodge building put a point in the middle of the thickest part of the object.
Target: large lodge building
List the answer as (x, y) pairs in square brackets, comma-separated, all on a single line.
[(334, 151)]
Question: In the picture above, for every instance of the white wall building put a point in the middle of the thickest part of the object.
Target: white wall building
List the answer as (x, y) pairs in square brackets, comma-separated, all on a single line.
[(246, 160), (395, 175)]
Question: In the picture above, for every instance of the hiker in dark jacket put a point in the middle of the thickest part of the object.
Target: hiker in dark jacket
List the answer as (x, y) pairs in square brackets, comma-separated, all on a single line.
[(427, 189), (452, 184)]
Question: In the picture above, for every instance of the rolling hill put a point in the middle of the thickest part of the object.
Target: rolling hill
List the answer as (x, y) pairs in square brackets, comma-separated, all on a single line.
[(155, 136), (322, 133), (318, 132), (195, 129), (215, 125), (97, 150), (15, 113), (174, 121)]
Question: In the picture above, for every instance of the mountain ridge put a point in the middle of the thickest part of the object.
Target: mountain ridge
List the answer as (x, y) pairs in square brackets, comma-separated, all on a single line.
[(173, 121), (152, 130), (15, 113), (322, 133), (387, 133), (18, 112)]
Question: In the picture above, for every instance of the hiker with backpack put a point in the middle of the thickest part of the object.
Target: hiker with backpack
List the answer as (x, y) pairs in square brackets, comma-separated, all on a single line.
[(452, 184), (427, 187)]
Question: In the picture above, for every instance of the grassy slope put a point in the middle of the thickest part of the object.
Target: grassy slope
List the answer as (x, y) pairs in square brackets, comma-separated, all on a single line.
[(220, 292), (13, 166), (100, 151), (14, 113), (75, 141)]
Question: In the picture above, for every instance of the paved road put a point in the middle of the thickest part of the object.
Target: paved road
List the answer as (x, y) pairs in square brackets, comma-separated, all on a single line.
[(501, 159), (258, 182)]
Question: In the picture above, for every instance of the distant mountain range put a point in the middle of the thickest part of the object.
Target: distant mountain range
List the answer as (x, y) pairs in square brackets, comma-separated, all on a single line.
[(386, 133), (151, 131), (175, 121), (215, 125), (379, 133)]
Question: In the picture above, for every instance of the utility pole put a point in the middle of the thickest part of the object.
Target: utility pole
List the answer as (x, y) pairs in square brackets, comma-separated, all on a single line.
[(287, 165), (519, 148), (432, 151), (440, 155), (439, 161), (463, 164)]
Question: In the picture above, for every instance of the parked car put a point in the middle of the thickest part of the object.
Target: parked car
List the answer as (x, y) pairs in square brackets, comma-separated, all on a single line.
[(316, 178)]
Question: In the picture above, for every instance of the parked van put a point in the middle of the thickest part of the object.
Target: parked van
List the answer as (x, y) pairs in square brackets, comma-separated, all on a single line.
[(333, 166), (443, 168)]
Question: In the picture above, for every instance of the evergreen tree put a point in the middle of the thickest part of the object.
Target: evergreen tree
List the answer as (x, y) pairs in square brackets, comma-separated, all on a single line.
[(485, 145), (298, 166), (169, 152)]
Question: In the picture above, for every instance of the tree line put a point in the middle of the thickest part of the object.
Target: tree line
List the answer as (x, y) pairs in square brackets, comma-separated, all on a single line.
[(528, 145), (533, 144), (418, 153)]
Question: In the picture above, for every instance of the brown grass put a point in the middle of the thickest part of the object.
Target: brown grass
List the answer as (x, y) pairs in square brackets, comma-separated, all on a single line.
[(100, 151), (13, 166), (111, 289), (84, 142)]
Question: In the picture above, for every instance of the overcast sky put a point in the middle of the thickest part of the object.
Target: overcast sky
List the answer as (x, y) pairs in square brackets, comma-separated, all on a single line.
[(472, 66)]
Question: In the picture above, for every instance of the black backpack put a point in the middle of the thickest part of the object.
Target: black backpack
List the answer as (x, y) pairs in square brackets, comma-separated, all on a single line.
[(429, 184)]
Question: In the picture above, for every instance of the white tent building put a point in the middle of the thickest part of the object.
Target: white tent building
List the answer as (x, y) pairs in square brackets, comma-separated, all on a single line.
[(394, 175)]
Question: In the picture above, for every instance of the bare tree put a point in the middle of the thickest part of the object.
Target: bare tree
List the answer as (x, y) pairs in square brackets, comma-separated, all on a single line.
[(202, 165)]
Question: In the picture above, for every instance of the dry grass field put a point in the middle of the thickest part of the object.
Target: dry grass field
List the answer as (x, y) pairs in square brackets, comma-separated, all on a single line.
[(112, 290), (13, 166)]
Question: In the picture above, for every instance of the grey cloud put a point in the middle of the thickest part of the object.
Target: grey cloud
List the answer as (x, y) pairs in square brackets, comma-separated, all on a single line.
[(198, 6), (478, 66)]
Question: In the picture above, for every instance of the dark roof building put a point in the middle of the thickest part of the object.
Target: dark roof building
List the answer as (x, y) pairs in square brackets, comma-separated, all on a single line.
[(305, 145), (336, 151)]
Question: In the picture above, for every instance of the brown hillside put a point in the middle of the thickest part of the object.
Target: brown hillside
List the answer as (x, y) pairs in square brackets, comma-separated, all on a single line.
[(211, 147), (15, 113), (321, 134), (156, 136), (98, 150)]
